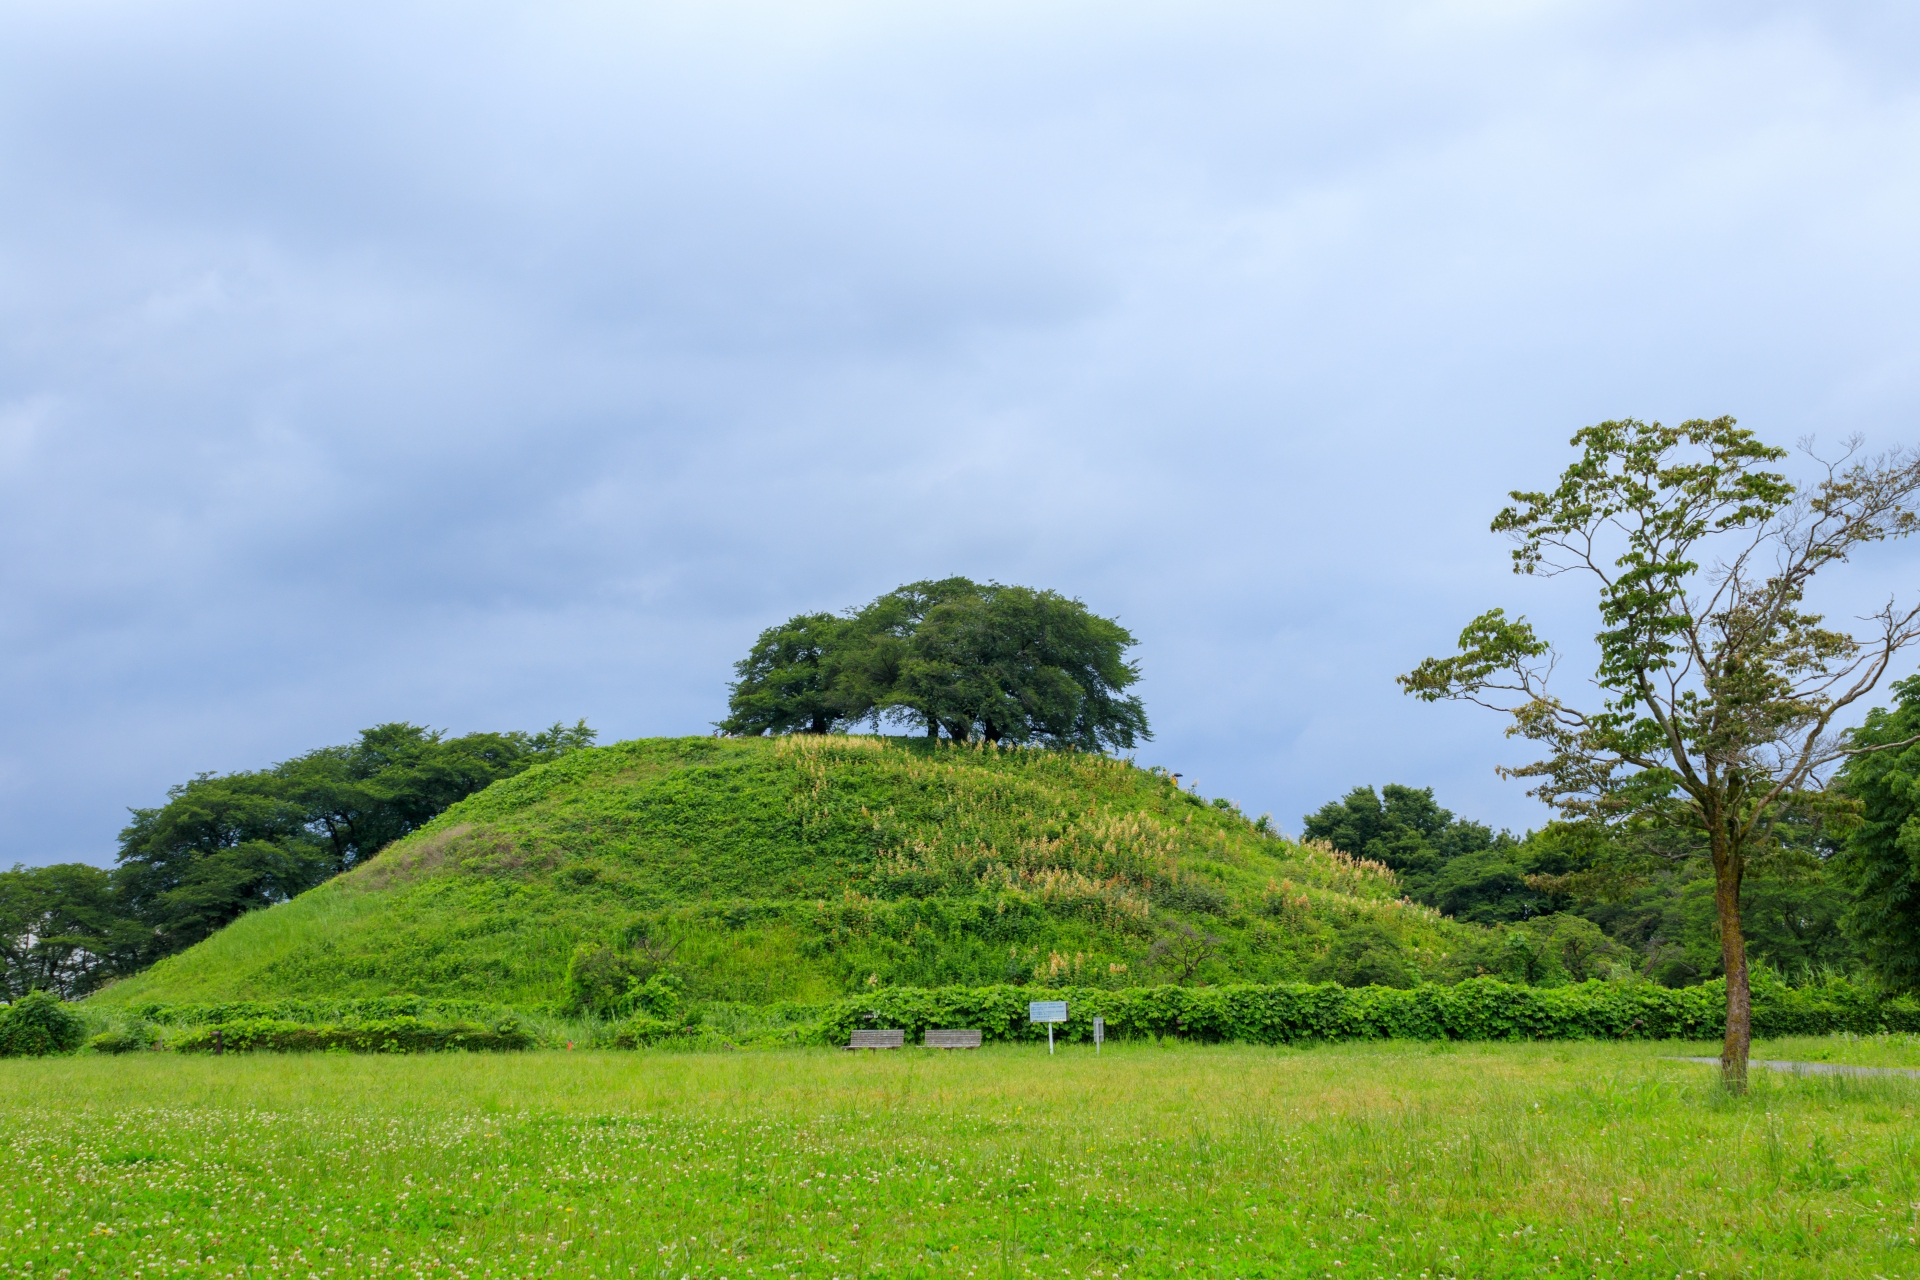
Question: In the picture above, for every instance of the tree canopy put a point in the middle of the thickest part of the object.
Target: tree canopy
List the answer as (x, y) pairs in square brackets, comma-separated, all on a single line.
[(1881, 860), (1403, 828), (1717, 688), (225, 844), (1658, 912), (63, 928), (971, 661)]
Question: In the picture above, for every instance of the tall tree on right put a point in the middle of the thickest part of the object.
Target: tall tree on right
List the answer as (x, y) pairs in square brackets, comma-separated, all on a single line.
[(1717, 687)]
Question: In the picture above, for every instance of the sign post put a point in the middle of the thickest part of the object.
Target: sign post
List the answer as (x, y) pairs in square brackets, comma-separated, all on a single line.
[(1099, 1034), (1049, 1012)]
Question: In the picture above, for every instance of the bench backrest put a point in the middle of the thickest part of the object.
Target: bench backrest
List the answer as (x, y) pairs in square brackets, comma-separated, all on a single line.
[(952, 1040), (877, 1040)]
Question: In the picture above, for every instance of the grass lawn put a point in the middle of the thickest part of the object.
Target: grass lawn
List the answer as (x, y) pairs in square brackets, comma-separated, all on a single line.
[(1346, 1161)]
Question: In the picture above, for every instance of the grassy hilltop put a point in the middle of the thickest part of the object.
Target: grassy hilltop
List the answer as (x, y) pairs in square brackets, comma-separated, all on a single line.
[(802, 868)]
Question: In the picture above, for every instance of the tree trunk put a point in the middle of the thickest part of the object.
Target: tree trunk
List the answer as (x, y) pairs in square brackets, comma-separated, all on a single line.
[(1733, 959)]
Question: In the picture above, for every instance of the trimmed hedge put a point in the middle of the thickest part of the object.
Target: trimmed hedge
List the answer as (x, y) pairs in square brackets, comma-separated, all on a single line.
[(379, 1035), (1477, 1009), (318, 1011)]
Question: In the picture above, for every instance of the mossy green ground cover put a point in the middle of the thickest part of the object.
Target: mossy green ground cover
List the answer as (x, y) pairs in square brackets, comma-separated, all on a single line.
[(806, 868), (1149, 1160)]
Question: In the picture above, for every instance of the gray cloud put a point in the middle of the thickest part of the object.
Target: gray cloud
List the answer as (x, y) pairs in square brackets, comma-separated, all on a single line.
[(486, 365)]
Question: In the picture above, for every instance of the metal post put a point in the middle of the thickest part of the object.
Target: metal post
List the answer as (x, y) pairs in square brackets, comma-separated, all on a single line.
[(1049, 1012)]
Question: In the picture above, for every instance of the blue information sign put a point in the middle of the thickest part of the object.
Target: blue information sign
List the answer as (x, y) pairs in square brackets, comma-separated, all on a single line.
[(1049, 1012)]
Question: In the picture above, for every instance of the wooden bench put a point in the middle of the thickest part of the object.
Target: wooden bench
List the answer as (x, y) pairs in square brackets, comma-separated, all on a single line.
[(877, 1040), (951, 1040)]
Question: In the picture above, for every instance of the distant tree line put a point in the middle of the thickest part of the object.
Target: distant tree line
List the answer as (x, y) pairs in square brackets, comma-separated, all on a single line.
[(226, 844), (970, 661)]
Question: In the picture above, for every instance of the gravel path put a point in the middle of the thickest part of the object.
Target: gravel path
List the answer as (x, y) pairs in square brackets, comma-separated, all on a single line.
[(1812, 1068)]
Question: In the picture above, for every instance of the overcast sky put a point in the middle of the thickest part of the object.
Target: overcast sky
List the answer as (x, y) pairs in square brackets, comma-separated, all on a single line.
[(486, 365)]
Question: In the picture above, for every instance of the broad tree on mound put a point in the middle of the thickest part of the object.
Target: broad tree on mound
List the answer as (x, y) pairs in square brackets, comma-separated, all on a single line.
[(788, 682), (989, 662), (1717, 688), (1017, 665)]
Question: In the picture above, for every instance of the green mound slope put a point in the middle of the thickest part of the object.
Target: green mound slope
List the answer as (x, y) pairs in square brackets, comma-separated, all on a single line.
[(803, 868)]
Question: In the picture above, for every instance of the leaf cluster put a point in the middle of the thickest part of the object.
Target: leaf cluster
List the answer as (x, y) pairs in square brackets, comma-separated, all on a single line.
[(225, 844), (1291, 1013), (1718, 687), (973, 661)]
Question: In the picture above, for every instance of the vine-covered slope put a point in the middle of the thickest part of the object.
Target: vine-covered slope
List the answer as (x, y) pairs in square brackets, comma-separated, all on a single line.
[(802, 868)]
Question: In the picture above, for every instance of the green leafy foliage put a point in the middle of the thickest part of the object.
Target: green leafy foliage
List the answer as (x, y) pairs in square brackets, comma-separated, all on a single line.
[(129, 1037), (1881, 865), (1451, 863), (794, 679), (616, 981), (421, 1008), (401, 1024), (1655, 909), (224, 845), (37, 1024), (64, 928), (989, 662), (376, 1035), (227, 844), (1364, 956), (1477, 1009)]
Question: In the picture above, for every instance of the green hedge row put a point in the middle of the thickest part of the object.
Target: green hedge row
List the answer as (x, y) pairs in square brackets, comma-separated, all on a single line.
[(1477, 1009), (318, 1011), (377, 1035)]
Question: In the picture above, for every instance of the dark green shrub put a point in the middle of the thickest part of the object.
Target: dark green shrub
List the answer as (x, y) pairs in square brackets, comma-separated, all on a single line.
[(37, 1024), (613, 981), (129, 1038), (1364, 955), (1478, 1009), (660, 996), (640, 1031), (385, 1035), (1195, 896), (320, 1011)]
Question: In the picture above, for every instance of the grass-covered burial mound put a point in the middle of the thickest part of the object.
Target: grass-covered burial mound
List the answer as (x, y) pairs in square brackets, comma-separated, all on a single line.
[(809, 867)]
